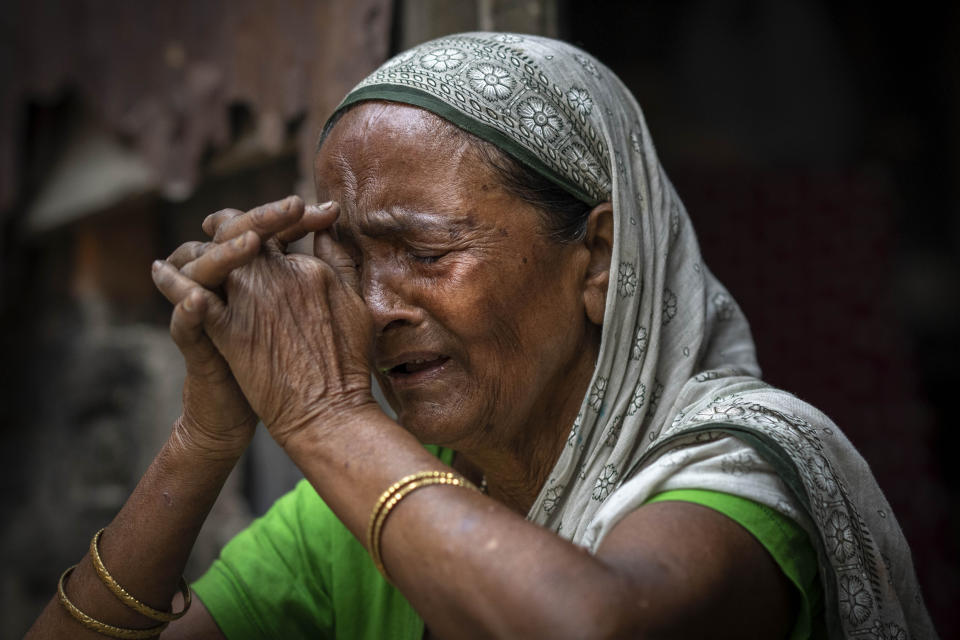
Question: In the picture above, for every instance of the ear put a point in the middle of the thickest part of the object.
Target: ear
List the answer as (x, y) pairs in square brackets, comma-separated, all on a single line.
[(599, 242)]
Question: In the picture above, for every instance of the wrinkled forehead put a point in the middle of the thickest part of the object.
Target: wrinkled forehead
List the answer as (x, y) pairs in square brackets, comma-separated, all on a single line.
[(383, 156), (369, 134), (393, 120)]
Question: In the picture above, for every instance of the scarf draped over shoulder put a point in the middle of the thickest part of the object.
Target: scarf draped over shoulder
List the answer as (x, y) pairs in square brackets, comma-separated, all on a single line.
[(677, 362)]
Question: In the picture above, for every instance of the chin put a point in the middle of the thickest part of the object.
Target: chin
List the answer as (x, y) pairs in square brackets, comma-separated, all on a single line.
[(433, 427)]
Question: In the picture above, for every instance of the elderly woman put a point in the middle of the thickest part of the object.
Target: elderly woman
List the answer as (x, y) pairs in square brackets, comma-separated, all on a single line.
[(503, 251)]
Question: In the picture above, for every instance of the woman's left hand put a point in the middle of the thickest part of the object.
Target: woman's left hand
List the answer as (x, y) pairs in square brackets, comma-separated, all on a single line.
[(294, 331)]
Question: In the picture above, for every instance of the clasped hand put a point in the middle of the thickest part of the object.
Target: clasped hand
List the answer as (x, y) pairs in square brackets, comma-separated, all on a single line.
[(285, 337)]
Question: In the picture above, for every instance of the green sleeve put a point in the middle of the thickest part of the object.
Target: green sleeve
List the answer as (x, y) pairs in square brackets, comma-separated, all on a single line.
[(298, 572), (784, 539), (265, 584)]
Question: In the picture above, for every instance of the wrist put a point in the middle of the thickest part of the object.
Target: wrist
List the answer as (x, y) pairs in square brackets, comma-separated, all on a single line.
[(325, 432), (189, 439)]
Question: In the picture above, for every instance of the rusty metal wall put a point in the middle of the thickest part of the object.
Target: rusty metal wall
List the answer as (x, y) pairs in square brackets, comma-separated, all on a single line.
[(164, 74)]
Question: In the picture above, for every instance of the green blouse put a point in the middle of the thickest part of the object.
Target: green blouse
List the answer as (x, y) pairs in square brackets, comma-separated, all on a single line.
[(297, 572)]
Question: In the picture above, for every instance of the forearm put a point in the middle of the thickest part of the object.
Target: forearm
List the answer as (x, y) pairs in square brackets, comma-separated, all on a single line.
[(468, 563), (147, 544), (470, 566)]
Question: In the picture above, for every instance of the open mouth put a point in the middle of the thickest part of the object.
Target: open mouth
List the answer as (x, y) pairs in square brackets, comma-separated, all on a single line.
[(418, 365)]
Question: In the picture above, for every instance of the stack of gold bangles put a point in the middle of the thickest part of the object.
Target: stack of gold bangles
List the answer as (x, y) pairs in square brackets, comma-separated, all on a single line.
[(392, 497), (163, 617)]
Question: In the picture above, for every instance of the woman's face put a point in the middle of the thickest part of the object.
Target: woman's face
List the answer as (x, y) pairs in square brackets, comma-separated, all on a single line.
[(481, 329)]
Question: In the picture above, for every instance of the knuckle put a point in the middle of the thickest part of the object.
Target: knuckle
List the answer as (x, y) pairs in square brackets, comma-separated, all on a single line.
[(176, 325), (219, 252), (188, 270), (225, 226), (180, 252), (224, 214), (260, 217), (258, 213), (216, 219), (193, 294), (221, 233)]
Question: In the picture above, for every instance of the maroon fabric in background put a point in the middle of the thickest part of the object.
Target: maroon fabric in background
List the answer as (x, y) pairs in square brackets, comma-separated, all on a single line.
[(809, 259)]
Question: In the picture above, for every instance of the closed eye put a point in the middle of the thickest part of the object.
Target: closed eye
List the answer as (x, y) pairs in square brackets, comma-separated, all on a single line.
[(427, 258)]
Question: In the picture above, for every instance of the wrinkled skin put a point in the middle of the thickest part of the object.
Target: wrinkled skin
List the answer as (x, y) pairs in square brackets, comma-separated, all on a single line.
[(456, 271), (432, 260), (283, 345), (216, 414)]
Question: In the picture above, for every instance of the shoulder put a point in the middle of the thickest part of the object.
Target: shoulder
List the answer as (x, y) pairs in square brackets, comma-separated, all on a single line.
[(707, 574)]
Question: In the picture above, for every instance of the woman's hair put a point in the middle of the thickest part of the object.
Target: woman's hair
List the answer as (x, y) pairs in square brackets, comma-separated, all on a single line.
[(564, 215)]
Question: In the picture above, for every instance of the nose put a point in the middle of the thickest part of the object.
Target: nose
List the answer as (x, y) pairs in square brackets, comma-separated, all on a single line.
[(387, 298)]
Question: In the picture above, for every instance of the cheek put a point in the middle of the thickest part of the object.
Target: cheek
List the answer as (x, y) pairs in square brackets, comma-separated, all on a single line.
[(484, 299), (538, 324), (503, 318)]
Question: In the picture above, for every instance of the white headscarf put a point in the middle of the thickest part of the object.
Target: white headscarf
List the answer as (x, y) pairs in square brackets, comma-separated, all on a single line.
[(676, 363)]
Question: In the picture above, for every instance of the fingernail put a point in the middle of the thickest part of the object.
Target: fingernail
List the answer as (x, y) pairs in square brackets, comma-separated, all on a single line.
[(318, 207), (240, 241), (156, 265), (188, 303)]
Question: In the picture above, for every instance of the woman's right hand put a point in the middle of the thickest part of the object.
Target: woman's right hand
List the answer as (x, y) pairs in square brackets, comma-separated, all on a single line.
[(217, 419)]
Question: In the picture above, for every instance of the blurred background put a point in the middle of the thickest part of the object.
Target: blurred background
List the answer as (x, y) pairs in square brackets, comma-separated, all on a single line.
[(816, 146)]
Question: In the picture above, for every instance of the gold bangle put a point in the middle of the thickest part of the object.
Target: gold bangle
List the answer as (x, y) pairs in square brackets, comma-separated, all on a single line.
[(124, 596), (101, 627), (392, 497), (396, 486)]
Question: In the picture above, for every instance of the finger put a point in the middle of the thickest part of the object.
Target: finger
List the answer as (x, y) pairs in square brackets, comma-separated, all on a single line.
[(316, 217), (172, 284), (186, 329), (265, 220), (213, 221), (211, 269), (187, 252), (328, 250)]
